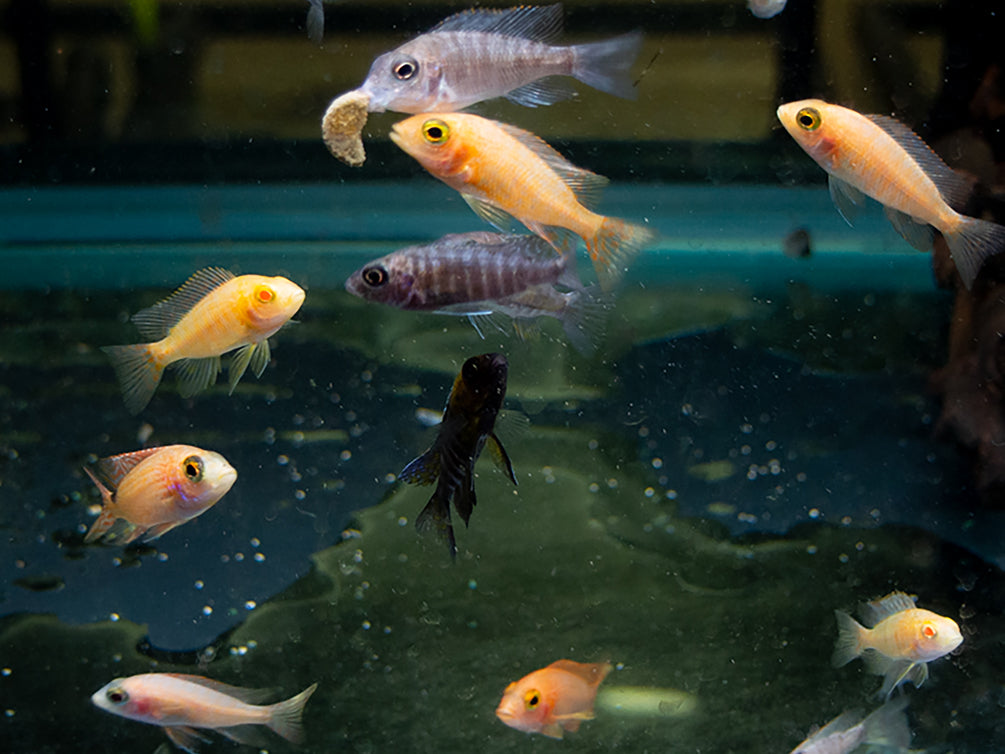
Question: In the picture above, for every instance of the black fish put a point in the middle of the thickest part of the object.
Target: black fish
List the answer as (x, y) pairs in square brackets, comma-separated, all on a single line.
[(468, 424)]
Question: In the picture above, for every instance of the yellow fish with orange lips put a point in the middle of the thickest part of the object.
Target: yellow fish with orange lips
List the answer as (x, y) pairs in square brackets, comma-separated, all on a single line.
[(877, 156), (503, 172), (213, 313)]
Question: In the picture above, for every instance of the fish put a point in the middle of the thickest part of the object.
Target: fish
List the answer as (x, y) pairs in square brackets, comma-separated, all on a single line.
[(880, 157), (766, 8), (184, 704), (898, 643), (554, 699), (213, 313), (316, 21), (480, 274), (886, 727), (504, 172), (156, 489), (483, 53), (468, 425)]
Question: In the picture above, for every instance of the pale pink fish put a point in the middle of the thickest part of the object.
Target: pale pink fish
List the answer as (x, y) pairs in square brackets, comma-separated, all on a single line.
[(554, 699), (886, 727), (157, 489), (184, 704), (877, 156), (483, 53), (898, 642)]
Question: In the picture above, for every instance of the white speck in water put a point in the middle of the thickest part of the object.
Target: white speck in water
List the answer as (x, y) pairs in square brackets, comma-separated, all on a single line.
[(657, 463), (814, 513), (6, 672), (389, 478), (199, 584), (649, 492), (282, 460), (207, 610), (811, 549), (250, 605), (255, 542), (594, 487), (593, 445), (113, 617), (259, 557), (366, 625), (345, 455)]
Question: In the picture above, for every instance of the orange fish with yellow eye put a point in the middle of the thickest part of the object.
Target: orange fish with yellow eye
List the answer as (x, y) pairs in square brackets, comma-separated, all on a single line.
[(900, 641), (213, 313), (554, 699)]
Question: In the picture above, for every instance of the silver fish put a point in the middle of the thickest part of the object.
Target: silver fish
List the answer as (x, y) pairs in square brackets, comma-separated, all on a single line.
[(886, 727), (480, 274), (484, 53)]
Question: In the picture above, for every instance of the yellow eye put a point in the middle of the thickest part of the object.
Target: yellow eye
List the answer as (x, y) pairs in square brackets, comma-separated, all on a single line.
[(531, 699), (264, 294), (435, 131), (193, 468), (808, 119), (929, 631), (117, 695)]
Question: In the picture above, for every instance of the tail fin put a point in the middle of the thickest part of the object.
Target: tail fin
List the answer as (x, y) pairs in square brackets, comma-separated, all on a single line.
[(285, 717), (607, 65), (972, 244), (584, 317), (848, 646), (138, 371), (887, 727), (614, 245)]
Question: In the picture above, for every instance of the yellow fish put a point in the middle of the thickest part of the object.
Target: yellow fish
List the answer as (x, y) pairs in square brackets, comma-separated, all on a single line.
[(503, 172), (211, 314), (900, 641), (157, 489), (880, 157)]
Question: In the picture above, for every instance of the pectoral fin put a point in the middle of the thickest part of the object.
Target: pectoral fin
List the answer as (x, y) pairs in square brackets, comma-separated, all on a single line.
[(185, 738), (500, 457), (491, 214), (848, 199), (255, 355)]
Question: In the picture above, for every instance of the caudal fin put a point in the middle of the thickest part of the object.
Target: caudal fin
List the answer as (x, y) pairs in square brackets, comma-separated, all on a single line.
[(848, 645), (972, 244), (614, 246), (435, 517), (607, 65), (139, 373), (285, 717), (584, 317)]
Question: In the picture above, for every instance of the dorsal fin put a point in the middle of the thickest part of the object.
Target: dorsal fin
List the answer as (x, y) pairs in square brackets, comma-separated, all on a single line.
[(111, 470), (156, 322), (591, 672), (538, 23), (953, 187), (584, 184), (248, 696), (895, 602)]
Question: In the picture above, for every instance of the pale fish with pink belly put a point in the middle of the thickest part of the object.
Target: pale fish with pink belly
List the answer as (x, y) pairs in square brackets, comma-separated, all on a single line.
[(156, 489), (184, 704), (877, 156)]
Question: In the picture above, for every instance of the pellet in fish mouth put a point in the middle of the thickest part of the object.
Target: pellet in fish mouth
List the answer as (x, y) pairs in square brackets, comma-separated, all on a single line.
[(342, 127)]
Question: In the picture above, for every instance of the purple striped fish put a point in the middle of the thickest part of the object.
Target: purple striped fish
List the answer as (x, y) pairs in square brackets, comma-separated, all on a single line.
[(484, 53), (480, 274)]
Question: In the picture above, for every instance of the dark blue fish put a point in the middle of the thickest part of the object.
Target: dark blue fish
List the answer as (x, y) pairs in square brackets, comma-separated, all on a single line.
[(468, 425)]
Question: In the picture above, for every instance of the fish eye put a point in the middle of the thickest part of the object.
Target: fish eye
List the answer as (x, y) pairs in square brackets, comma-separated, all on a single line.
[(264, 294), (435, 131), (470, 370), (117, 695), (193, 468), (405, 70), (531, 699), (929, 631), (375, 276), (808, 119)]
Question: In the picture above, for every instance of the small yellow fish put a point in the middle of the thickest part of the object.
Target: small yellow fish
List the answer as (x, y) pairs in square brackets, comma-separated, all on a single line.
[(504, 172), (182, 703), (900, 641), (211, 314), (157, 489), (880, 157)]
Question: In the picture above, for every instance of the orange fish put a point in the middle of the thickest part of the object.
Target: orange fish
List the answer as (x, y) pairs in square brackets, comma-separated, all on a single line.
[(554, 699), (157, 489), (880, 157), (181, 703), (211, 314), (900, 641), (504, 172)]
